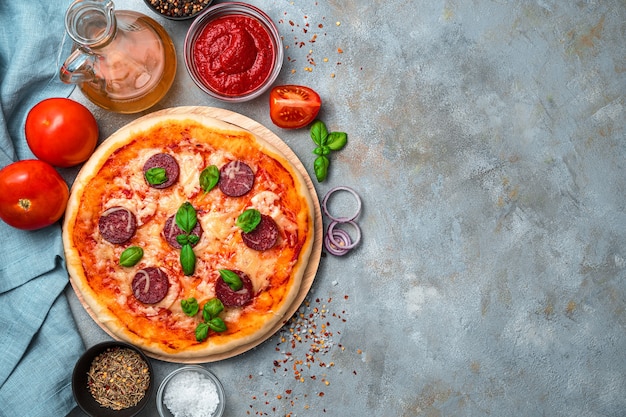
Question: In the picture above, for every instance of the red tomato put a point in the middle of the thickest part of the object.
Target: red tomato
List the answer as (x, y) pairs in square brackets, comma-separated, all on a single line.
[(293, 106), (33, 195), (61, 132)]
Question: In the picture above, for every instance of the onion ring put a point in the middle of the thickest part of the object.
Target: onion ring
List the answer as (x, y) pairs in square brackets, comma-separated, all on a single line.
[(341, 219), (341, 236), (331, 232)]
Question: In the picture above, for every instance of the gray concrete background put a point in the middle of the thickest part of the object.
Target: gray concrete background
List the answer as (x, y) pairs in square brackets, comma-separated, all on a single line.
[(487, 141)]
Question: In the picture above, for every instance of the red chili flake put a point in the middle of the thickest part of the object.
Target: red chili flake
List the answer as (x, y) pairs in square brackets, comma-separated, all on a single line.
[(321, 394)]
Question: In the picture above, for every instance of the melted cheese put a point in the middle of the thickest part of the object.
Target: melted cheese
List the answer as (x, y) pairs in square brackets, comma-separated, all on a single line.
[(122, 184)]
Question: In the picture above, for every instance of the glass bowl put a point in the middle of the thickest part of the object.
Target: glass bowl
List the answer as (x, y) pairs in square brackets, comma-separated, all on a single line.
[(227, 56), (80, 388), (197, 7), (173, 378)]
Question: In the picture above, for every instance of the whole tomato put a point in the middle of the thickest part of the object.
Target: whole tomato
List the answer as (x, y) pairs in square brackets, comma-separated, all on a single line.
[(61, 132), (33, 195)]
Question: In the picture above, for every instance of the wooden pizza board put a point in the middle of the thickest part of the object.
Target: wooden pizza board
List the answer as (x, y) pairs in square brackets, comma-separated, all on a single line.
[(314, 259)]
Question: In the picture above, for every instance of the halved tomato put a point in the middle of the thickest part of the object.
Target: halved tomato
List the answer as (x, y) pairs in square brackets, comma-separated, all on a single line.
[(293, 106), (34, 194)]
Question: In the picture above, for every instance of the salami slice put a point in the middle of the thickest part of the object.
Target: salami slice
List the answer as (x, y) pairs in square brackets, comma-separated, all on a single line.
[(150, 285), (117, 224), (171, 230), (231, 298), (168, 163), (265, 235), (236, 178)]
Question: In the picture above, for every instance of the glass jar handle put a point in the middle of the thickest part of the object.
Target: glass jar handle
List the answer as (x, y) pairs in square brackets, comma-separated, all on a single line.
[(77, 68)]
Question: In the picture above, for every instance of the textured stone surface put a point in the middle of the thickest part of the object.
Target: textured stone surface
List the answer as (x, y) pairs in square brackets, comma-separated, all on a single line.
[(487, 141)]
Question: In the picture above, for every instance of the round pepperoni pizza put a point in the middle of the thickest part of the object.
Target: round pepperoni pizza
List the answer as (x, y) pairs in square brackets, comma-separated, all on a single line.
[(189, 236)]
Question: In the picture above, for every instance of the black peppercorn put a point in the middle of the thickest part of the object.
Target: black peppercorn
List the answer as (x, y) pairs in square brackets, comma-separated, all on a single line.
[(178, 8)]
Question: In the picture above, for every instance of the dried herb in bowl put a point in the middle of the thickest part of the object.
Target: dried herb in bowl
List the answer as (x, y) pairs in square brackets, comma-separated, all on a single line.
[(118, 378), (178, 9)]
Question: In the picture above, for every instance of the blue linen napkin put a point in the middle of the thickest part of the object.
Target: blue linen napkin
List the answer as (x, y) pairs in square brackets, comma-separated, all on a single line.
[(39, 341)]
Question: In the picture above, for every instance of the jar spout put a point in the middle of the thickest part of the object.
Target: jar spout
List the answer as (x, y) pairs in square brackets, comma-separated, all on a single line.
[(91, 23)]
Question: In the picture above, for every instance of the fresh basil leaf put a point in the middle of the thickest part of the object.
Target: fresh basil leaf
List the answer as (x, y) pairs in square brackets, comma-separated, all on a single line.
[(209, 178), (186, 217), (156, 176), (182, 239), (131, 256), (190, 306), (320, 166), (232, 279), (337, 140), (187, 259), (193, 239), (217, 324), (212, 309), (248, 220), (319, 133), (202, 332)]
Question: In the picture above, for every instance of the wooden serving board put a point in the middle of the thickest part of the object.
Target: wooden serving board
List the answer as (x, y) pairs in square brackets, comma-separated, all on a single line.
[(311, 269)]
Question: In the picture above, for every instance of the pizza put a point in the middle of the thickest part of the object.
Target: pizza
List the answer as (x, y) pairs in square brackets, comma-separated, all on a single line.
[(188, 236)]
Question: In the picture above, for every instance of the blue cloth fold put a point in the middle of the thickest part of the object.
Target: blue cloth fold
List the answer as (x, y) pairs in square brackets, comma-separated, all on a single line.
[(39, 341)]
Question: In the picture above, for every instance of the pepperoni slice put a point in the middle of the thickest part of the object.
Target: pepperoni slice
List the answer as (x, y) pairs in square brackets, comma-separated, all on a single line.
[(171, 230), (150, 285), (265, 235), (168, 163), (236, 178), (231, 298), (117, 224)]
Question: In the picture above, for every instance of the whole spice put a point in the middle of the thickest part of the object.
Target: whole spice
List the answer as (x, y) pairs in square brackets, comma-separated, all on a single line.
[(118, 378), (179, 8)]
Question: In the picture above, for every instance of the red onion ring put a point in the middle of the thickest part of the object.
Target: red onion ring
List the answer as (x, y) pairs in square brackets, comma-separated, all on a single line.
[(341, 236), (338, 241), (341, 219)]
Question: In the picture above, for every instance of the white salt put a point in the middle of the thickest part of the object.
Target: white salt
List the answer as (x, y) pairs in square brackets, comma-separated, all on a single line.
[(191, 394)]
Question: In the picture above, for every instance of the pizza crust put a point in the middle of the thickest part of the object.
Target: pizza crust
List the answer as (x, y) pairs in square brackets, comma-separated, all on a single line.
[(140, 335)]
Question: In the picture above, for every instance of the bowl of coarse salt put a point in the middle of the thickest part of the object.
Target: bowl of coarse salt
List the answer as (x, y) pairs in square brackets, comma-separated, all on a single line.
[(191, 391)]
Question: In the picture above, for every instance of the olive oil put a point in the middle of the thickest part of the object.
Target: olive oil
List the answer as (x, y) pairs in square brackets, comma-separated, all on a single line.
[(130, 86)]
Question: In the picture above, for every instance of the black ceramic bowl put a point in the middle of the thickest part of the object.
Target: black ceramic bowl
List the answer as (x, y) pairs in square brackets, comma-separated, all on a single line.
[(83, 396), (179, 10)]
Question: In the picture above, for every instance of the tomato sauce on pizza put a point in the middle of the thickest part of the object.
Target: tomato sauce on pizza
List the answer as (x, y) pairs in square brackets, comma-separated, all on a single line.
[(131, 196)]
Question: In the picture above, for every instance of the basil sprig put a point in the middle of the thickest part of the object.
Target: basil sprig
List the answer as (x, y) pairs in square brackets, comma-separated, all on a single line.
[(190, 306), (326, 142), (210, 312), (156, 176), (231, 278), (209, 178), (187, 259), (131, 256), (186, 220), (248, 220), (186, 217)]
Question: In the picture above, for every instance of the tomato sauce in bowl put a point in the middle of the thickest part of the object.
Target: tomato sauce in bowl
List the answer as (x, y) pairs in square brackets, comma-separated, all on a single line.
[(233, 51)]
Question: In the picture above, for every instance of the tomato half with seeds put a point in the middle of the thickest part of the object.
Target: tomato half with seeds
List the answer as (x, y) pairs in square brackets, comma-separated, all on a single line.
[(293, 106), (61, 131), (34, 195)]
